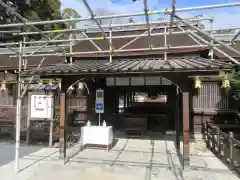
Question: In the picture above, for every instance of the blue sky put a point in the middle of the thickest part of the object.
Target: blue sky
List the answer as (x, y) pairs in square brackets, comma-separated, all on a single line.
[(224, 17)]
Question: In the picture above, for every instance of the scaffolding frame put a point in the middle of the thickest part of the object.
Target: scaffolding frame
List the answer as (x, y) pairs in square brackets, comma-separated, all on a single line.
[(193, 32)]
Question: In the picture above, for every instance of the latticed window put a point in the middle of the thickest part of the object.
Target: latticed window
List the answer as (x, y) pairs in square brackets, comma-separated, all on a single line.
[(210, 97)]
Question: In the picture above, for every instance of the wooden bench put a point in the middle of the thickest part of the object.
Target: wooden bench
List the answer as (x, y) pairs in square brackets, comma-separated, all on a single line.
[(135, 125)]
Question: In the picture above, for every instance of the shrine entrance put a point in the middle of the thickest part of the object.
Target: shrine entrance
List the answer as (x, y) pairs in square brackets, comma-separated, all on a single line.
[(142, 107)]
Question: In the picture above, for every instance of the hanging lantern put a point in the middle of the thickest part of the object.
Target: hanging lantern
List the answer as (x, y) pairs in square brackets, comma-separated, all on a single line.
[(50, 82), (225, 82), (80, 85), (198, 83), (3, 85), (40, 82)]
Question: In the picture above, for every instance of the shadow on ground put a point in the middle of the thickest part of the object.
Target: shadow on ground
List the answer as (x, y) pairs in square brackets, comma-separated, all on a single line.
[(7, 152)]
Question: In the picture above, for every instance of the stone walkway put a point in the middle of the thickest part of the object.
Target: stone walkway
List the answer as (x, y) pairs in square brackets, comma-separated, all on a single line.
[(130, 158)]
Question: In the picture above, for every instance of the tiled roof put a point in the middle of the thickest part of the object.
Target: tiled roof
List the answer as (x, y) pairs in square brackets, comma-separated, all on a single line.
[(132, 65)]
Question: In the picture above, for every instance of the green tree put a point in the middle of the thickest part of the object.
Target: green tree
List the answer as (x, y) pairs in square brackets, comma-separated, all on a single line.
[(36, 10), (235, 78), (70, 13)]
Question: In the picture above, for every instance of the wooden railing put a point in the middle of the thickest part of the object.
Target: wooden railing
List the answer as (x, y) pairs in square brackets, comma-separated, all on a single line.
[(223, 145)]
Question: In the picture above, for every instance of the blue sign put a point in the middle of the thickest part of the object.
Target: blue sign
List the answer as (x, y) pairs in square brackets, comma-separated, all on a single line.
[(99, 107)]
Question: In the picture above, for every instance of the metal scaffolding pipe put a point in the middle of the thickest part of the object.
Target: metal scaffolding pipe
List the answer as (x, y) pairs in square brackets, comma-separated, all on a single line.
[(34, 47), (110, 47), (215, 48), (146, 16), (71, 44), (92, 17), (116, 51), (105, 26), (212, 42), (18, 110), (136, 38), (195, 40), (113, 37), (121, 15), (208, 36), (165, 44), (173, 12), (39, 65), (100, 38), (91, 41), (107, 37), (235, 37)]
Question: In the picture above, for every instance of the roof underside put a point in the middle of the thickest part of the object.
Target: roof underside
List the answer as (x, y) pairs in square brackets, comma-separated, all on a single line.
[(123, 66)]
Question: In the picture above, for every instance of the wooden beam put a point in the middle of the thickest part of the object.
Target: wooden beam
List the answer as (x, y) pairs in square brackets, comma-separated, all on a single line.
[(63, 144), (186, 130)]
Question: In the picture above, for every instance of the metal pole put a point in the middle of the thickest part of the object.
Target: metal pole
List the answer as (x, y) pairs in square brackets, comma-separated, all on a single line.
[(26, 87), (235, 37), (165, 43), (18, 109), (114, 37), (24, 61), (212, 42), (107, 37), (138, 25), (136, 38), (195, 40), (110, 47), (146, 16), (93, 18), (34, 47), (71, 44), (215, 48), (122, 50), (208, 36), (122, 15), (99, 119), (172, 13), (91, 41)]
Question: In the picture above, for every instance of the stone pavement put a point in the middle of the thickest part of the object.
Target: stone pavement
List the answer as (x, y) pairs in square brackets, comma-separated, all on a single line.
[(129, 158)]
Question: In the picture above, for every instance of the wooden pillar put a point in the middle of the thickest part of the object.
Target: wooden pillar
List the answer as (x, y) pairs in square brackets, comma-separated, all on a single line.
[(127, 99), (177, 120), (124, 101), (186, 129), (62, 151)]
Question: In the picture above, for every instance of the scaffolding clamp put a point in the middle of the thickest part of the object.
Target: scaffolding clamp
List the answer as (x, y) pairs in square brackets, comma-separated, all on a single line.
[(100, 38), (166, 12), (212, 17)]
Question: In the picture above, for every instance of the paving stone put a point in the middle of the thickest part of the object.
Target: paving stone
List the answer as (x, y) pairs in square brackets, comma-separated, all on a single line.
[(128, 160)]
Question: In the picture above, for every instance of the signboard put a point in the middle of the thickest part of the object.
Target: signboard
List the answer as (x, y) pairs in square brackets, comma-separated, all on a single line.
[(99, 107), (99, 103), (41, 107), (100, 95)]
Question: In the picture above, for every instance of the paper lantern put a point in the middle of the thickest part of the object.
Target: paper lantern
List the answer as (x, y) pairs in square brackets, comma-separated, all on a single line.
[(225, 82), (198, 83), (3, 86)]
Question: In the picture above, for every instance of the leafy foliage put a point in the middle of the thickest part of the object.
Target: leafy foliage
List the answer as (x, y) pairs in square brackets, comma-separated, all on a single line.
[(37, 10), (235, 79)]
